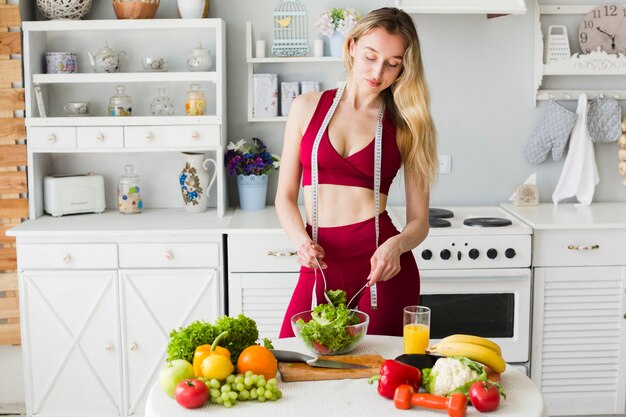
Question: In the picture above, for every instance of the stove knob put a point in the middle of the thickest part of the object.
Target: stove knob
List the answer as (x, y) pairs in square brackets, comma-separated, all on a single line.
[(459, 255), (473, 253), (427, 254), (445, 254), (492, 253), (510, 253)]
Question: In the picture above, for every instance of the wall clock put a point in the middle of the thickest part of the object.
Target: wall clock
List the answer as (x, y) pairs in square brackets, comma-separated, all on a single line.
[(604, 27)]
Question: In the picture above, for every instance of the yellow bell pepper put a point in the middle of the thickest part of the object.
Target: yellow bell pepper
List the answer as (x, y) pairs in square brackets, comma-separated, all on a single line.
[(214, 362), (203, 351)]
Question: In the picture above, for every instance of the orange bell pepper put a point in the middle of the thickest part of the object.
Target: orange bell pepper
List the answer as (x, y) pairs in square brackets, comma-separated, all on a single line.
[(203, 351)]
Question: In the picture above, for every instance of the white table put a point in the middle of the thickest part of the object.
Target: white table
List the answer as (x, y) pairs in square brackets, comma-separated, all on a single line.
[(350, 397)]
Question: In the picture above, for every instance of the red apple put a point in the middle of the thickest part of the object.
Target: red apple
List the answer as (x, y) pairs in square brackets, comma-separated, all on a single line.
[(191, 393)]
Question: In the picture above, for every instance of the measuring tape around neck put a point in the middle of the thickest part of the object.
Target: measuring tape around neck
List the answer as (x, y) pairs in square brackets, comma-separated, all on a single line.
[(315, 182)]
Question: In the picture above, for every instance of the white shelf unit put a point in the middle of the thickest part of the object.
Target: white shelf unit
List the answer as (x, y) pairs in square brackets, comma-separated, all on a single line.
[(463, 6), (592, 66), (254, 62), (65, 145)]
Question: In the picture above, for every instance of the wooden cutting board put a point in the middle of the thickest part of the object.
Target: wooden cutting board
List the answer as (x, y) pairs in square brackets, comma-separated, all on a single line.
[(302, 372)]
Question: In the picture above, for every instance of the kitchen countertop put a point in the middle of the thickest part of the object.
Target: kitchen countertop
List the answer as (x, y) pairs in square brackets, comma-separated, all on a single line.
[(149, 222), (571, 216), (350, 397)]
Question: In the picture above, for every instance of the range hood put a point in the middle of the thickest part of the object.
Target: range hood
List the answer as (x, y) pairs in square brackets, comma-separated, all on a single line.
[(490, 7)]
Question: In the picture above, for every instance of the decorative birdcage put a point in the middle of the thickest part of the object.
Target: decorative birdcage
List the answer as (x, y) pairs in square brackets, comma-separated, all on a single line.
[(290, 29)]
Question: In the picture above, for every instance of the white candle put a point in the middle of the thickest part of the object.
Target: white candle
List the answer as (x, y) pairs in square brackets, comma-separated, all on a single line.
[(318, 47), (260, 49)]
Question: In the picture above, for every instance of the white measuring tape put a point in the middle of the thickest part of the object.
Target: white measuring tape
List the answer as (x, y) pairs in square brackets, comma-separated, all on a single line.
[(315, 182)]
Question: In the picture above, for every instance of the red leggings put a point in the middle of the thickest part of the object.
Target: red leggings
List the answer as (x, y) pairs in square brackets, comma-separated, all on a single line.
[(348, 250)]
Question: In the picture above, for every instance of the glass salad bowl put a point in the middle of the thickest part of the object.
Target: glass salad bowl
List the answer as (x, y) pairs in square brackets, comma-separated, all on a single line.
[(336, 337)]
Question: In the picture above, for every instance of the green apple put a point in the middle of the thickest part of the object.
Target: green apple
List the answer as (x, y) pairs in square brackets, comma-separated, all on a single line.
[(172, 373)]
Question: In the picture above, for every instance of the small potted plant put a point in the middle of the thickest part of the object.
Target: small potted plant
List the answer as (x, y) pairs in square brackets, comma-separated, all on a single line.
[(336, 24), (251, 163)]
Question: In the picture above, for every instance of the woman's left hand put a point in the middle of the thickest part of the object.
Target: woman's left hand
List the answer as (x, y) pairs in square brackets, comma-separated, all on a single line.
[(385, 263)]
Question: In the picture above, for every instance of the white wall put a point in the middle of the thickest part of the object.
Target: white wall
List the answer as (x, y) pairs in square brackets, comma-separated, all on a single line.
[(480, 76)]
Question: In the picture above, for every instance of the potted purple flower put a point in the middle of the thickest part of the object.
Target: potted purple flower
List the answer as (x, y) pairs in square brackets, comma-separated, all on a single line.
[(251, 163)]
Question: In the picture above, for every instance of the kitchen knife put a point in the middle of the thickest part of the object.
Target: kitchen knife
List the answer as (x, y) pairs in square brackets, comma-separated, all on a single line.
[(290, 356)]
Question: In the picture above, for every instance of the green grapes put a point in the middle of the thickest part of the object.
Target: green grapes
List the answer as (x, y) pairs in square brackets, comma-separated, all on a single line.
[(242, 387)]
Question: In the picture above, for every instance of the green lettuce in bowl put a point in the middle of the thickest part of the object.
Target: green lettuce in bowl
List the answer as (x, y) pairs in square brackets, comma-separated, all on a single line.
[(330, 330)]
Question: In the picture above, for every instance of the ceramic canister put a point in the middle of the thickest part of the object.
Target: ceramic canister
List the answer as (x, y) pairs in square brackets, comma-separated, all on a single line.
[(61, 62)]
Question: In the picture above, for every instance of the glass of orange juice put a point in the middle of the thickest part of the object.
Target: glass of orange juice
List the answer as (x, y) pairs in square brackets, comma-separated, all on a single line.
[(416, 329)]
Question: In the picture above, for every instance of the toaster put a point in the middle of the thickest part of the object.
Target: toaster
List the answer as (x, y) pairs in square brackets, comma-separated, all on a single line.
[(71, 194)]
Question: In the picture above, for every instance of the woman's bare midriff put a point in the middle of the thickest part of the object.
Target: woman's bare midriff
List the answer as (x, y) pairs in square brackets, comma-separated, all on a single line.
[(339, 205)]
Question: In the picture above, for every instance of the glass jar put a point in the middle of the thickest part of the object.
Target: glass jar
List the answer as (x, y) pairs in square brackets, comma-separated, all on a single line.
[(129, 192), (120, 104), (195, 104), (162, 105)]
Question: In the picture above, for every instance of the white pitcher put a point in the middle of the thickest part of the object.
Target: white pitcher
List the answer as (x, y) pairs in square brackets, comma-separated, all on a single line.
[(195, 182), (191, 9)]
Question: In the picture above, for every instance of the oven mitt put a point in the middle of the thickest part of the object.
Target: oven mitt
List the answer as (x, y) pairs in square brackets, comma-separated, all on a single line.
[(604, 118), (552, 133)]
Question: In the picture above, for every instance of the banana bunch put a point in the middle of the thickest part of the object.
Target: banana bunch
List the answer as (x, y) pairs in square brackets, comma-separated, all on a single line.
[(476, 348)]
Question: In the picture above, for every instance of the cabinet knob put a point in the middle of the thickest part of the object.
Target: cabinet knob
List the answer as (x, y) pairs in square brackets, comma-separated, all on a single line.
[(169, 255), (281, 253), (108, 347), (100, 137), (583, 247), (195, 136), (52, 138), (149, 136), (133, 347), (67, 258)]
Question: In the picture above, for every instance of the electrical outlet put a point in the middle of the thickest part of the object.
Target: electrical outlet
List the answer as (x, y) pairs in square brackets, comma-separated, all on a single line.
[(445, 164)]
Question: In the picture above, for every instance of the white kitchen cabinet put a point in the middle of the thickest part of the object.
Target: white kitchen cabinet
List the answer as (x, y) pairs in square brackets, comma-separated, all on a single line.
[(153, 303), (71, 342), (61, 145), (579, 306), (262, 296), (99, 299), (579, 339), (262, 274), (306, 68), (262, 269)]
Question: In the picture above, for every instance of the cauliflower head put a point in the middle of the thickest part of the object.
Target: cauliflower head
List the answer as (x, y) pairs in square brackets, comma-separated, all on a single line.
[(452, 374)]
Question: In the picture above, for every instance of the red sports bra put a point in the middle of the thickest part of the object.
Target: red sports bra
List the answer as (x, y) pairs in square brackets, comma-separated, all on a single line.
[(355, 170)]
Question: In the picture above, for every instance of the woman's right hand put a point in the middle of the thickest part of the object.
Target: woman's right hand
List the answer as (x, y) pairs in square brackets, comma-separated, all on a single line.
[(308, 252)]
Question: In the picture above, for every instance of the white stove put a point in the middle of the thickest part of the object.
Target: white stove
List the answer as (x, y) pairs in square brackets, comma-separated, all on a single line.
[(466, 247), (475, 279)]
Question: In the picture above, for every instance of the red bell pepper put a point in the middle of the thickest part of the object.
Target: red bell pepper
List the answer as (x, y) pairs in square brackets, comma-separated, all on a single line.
[(393, 374)]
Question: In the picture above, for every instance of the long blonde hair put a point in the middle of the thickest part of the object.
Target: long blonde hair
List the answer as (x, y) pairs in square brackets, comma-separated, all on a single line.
[(408, 99)]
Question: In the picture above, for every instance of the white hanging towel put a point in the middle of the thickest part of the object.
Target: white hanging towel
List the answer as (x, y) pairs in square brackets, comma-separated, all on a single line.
[(579, 176)]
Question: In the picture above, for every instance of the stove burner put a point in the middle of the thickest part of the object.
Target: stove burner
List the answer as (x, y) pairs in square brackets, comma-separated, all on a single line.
[(437, 222), (487, 222), (440, 213)]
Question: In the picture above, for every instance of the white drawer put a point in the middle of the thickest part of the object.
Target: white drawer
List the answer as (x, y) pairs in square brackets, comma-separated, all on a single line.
[(579, 247), (50, 138), (261, 253), (146, 136), (67, 256), (184, 136), (192, 136), (100, 137), (169, 255)]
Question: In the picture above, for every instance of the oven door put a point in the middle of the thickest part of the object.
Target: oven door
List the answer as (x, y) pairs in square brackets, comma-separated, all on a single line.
[(490, 303)]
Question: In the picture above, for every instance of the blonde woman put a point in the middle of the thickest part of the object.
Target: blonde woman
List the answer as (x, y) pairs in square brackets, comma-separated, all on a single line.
[(335, 143)]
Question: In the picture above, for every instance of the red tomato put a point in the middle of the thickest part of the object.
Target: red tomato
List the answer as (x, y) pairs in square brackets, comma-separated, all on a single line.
[(191, 393), (321, 349), (484, 396)]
